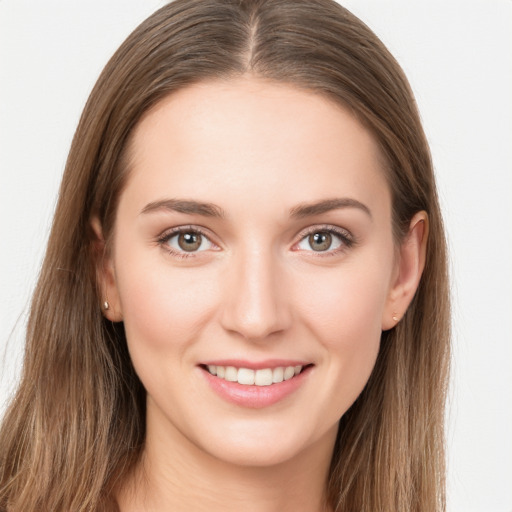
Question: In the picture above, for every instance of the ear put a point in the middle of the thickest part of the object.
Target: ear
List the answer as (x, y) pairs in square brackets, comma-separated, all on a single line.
[(105, 275), (409, 268)]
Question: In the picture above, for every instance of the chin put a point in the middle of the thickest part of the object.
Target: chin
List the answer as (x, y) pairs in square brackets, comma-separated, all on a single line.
[(267, 446)]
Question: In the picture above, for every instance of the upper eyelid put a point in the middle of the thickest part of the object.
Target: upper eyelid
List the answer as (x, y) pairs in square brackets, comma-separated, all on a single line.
[(337, 230), (348, 240), (167, 233), (325, 227)]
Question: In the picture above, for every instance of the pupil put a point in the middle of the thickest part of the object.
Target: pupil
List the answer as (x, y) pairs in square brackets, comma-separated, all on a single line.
[(189, 241), (320, 241)]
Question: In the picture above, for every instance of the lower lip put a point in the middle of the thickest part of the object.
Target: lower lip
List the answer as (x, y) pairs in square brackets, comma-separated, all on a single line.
[(255, 397)]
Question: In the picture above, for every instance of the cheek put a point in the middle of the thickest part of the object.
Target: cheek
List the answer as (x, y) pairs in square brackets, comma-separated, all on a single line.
[(163, 307), (345, 306), (344, 310)]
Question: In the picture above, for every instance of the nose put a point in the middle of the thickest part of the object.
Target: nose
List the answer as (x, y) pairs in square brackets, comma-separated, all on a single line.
[(255, 301)]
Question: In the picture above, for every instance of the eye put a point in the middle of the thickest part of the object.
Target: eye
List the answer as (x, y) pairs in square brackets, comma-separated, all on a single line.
[(186, 240), (328, 240)]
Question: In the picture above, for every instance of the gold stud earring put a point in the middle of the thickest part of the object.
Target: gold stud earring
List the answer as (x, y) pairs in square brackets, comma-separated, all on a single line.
[(106, 305)]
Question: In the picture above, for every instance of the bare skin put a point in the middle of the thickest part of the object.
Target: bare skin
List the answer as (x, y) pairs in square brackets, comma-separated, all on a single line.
[(254, 231)]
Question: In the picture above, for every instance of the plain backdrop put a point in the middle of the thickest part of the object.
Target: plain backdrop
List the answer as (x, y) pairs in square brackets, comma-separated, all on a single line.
[(458, 57)]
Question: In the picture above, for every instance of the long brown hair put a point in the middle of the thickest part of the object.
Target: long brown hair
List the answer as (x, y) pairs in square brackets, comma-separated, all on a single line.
[(76, 425)]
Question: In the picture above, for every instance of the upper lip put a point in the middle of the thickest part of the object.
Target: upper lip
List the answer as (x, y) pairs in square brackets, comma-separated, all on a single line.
[(256, 365)]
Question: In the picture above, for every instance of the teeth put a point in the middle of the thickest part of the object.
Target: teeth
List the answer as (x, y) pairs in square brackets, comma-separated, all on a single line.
[(263, 377), (231, 374), (248, 377), (278, 374), (289, 372)]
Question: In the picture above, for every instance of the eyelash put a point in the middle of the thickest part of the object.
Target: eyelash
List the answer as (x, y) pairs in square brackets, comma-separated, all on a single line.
[(164, 238), (347, 239)]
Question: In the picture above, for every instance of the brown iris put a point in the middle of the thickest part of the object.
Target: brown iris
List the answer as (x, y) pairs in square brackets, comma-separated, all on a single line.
[(320, 241), (190, 241)]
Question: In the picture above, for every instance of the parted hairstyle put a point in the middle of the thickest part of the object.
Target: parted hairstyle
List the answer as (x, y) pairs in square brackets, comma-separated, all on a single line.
[(76, 425)]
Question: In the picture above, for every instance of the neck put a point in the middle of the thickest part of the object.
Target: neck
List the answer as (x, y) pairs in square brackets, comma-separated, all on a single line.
[(174, 474)]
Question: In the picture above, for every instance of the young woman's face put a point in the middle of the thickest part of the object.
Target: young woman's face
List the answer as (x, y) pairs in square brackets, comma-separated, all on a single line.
[(253, 241)]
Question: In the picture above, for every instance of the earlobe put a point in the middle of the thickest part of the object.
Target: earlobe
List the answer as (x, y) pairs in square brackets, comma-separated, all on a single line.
[(410, 265), (105, 276)]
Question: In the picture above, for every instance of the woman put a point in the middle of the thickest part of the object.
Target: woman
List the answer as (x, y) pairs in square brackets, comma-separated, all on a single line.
[(244, 298)]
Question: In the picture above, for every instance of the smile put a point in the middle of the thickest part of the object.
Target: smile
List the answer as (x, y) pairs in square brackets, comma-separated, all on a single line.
[(256, 385), (250, 377)]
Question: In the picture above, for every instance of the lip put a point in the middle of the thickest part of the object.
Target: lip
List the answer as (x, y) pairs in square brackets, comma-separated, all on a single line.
[(255, 397), (256, 365)]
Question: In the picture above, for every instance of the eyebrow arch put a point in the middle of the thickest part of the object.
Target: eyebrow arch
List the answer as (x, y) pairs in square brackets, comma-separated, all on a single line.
[(185, 206), (310, 209)]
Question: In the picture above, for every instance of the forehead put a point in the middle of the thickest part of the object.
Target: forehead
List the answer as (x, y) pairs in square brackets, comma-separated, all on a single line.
[(254, 140)]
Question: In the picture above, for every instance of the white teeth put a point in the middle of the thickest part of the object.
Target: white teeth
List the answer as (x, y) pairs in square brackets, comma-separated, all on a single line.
[(278, 374), (263, 377), (289, 372), (231, 374), (248, 377)]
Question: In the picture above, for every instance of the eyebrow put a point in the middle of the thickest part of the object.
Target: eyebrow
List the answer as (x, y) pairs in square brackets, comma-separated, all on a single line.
[(212, 210), (310, 209), (185, 206)]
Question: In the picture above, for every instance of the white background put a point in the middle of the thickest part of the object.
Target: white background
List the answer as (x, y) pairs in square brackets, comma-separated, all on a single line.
[(458, 57)]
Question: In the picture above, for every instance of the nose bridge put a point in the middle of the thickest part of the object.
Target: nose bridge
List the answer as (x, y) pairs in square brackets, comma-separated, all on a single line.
[(255, 305)]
